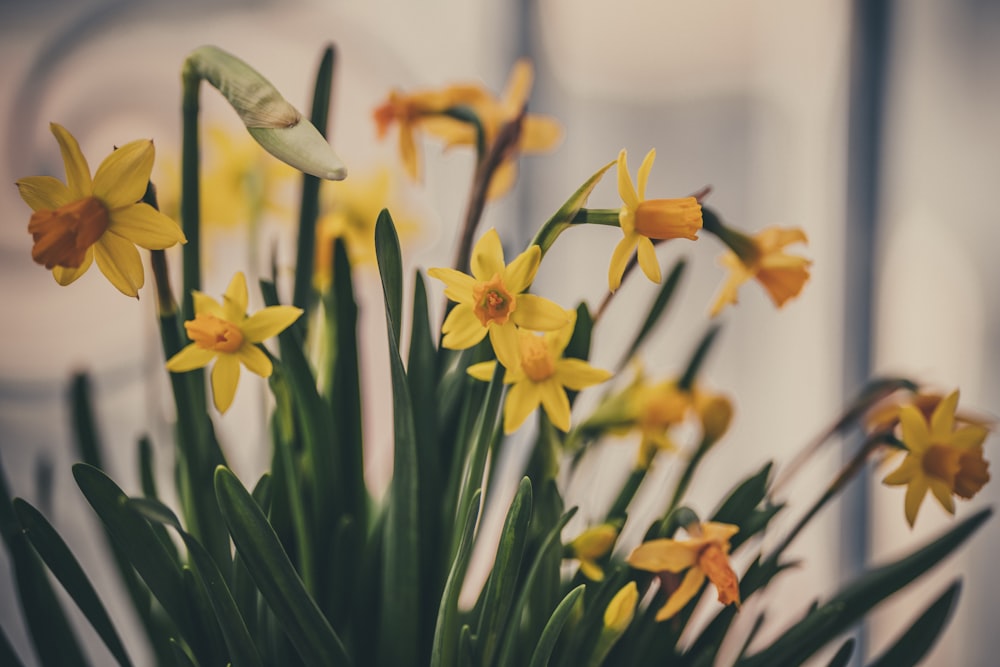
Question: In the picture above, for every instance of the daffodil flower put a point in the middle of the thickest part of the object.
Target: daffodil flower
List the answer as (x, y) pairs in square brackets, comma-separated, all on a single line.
[(941, 458), (781, 274), (542, 377), (225, 333), (644, 219), (492, 301), (704, 554), (654, 409), (590, 546), (102, 218)]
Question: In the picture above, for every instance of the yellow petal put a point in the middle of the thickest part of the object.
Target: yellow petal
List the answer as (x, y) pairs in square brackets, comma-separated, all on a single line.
[(538, 314), (522, 399), (943, 417), (269, 322), (119, 261), (408, 151), (203, 303), (146, 227), (77, 170), (662, 555), (558, 340), (503, 179), (506, 346), (968, 437), (519, 275), (462, 328), (64, 275), (647, 259), (43, 192), (916, 437), (906, 471), (772, 238), (518, 87), (190, 358), (122, 178), (458, 285), (915, 493), (713, 531), (556, 404), (619, 260), (225, 378), (577, 374), (644, 169), (942, 492), (539, 133), (625, 188), (591, 570), (234, 301), (482, 371), (729, 292), (689, 587), (255, 360), (487, 257)]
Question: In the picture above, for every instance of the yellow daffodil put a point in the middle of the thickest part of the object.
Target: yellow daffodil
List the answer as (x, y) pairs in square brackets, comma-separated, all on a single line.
[(542, 376), (704, 554), (621, 610), (781, 274), (492, 301), (348, 210), (225, 333), (655, 408), (538, 133), (941, 458), (644, 219), (883, 417), (590, 546), (101, 218), (415, 111)]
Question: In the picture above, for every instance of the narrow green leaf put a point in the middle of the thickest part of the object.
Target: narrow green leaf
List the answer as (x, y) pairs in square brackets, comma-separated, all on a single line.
[(390, 268), (445, 647), (554, 626), (147, 477), (181, 658), (276, 579), (563, 218), (698, 358), (7, 654), (656, 311), (498, 596), (239, 642), (861, 595), (401, 585), (63, 564), (843, 654), (919, 639), (43, 613)]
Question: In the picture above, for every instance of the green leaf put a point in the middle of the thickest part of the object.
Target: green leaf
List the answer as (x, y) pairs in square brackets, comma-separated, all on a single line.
[(498, 595), (547, 642), (861, 595), (445, 647), (401, 592), (309, 208), (276, 579), (7, 654), (61, 562), (843, 654), (920, 638), (43, 614), (698, 358), (239, 642), (656, 311), (563, 218)]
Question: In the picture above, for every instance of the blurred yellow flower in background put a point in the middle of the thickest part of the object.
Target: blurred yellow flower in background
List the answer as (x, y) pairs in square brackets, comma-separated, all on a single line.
[(101, 218), (782, 275)]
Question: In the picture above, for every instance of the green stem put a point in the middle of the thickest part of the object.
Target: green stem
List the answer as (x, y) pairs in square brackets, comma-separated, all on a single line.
[(190, 188), (620, 506)]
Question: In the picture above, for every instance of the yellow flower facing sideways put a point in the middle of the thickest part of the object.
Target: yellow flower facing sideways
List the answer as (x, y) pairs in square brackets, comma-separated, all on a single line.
[(704, 554), (781, 274), (542, 376), (590, 546), (492, 301), (225, 333), (941, 458), (97, 218), (644, 219)]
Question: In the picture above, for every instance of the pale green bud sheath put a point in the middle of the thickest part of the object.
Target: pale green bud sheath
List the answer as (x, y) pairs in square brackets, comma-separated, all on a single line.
[(271, 120)]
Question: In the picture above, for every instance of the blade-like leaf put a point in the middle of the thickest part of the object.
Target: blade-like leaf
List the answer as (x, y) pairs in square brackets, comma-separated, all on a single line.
[(390, 268), (563, 218), (445, 648), (843, 654), (656, 311), (547, 642), (63, 564), (7, 654), (920, 638), (276, 579)]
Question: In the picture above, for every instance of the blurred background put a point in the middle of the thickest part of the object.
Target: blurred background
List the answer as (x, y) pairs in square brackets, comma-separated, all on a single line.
[(872, 125)]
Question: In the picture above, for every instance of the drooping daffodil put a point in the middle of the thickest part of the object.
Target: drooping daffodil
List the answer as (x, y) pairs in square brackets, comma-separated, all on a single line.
[(98, 218), (225, 333), (542, 377), (940, 457), (492, 301), (642, 220)]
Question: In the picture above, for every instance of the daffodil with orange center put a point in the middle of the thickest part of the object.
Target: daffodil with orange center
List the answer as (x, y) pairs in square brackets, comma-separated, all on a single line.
[(782, 275), (704, 555), (941, 458), (415, 111), (224, 333), (542, 376), (98, 218), (492, 301), (644, 219), (538, 133)]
